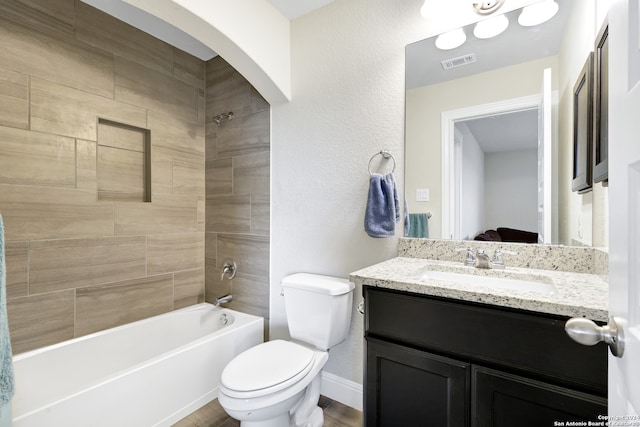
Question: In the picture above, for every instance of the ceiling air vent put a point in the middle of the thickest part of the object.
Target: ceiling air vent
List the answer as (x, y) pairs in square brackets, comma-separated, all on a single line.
[(448, 64)]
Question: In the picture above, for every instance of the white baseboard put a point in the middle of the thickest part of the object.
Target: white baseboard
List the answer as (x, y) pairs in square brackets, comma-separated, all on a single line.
[(341, 390)]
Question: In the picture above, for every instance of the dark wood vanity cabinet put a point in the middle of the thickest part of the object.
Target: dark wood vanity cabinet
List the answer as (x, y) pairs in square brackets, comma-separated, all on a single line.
[(438, 362), (409, 387)]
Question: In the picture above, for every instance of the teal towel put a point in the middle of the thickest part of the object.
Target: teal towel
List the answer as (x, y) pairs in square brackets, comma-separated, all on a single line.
[(419, 224), (6, 360)]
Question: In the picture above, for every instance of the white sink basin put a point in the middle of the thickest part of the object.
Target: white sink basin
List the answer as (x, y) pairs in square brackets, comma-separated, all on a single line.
[(491, 281)]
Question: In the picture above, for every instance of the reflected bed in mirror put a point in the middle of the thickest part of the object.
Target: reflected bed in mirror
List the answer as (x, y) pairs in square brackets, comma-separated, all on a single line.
[(472, 131)]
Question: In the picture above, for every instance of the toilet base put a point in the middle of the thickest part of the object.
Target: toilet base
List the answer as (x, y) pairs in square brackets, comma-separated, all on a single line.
[(307, 411), (276, 415), (316, 419), (283, 420)]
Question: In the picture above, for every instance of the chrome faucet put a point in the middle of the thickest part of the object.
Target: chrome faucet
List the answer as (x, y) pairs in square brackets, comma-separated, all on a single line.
[(478, 258), (471, 255), (497, 261), (223, 300), (482, 259)]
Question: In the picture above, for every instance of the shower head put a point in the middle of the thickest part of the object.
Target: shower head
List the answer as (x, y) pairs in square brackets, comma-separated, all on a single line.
[(221, 117)]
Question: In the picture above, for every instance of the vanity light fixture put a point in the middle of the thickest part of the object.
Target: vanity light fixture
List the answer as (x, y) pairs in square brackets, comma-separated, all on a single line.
[(487, 7), (424, 10), (538, 13), (491, 27), (481, 8), (451, 39)]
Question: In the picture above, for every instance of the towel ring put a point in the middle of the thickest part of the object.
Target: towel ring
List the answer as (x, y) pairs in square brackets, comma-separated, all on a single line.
[(385, 155)]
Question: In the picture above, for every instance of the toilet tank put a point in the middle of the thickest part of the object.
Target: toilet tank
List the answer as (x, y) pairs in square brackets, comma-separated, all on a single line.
[(318, 308)]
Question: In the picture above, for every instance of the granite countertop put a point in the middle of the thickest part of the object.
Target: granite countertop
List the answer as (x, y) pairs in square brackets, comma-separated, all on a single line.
[(572, 294)]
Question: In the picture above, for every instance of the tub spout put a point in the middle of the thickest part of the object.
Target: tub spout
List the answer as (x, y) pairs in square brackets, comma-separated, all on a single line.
[(223, 300)]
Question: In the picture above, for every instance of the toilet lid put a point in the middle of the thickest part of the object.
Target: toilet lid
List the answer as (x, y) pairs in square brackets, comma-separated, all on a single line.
[(267, 365)]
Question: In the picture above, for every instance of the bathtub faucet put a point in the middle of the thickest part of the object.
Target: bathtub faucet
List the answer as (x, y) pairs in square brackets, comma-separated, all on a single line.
[(223, 300), (229, 269)]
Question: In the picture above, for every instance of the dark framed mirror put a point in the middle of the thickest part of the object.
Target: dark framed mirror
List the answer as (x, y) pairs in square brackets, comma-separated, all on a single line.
[(601, 106), (583, 128)]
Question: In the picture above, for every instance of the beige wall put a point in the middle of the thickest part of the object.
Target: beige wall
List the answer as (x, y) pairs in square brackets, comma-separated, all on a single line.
[(76, 265), (584, 218), (238, 181)]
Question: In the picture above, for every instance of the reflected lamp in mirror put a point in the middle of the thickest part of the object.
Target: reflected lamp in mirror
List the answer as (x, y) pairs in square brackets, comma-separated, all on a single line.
[(451, 39), (491, 27), (538, 13)]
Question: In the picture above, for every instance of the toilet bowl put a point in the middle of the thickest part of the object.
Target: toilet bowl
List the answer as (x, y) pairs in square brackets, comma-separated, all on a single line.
[(271, 381), (277, 383)]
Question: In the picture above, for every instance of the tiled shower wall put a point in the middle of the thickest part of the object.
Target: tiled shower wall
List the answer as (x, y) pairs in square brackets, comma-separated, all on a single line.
[(76, 265), (237, 189)]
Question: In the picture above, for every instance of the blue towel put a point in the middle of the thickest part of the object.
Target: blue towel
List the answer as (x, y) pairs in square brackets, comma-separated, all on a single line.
[(383, 206), (6, 361), (419, 225)]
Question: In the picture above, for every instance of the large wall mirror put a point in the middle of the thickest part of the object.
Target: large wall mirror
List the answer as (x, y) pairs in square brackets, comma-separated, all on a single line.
[(488, 131)]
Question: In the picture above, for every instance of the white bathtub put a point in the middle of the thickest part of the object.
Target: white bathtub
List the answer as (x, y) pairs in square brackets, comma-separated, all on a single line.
[(153, 372)]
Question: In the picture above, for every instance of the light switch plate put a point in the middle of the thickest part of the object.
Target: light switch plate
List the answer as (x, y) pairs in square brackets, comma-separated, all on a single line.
[(422, 195)]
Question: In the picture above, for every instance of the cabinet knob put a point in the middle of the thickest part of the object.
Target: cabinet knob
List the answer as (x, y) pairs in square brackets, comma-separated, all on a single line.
[(586, 332)]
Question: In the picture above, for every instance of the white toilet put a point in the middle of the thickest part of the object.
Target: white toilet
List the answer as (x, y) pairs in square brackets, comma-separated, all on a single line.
[(277, 383)]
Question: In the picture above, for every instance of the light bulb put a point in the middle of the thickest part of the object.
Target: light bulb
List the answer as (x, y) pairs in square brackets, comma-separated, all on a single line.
[(538, 13), (491, 27), (451, 39), (424, 10)]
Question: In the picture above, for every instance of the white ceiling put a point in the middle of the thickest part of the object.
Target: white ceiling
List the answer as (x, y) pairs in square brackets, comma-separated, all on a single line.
[(513, 131), (160, 29), (293, 9)]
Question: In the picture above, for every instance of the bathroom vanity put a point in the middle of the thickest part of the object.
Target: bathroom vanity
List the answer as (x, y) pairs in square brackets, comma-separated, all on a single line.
[(443, 351)]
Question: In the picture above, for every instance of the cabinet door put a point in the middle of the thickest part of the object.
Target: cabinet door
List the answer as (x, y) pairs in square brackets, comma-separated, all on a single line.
[(499, 399), (408, 387)]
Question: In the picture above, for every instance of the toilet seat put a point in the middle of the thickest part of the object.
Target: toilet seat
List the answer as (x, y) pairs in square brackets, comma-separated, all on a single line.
[(266, 368)]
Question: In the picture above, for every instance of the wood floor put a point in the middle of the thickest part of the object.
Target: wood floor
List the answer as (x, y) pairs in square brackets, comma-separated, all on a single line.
[(212, 415)]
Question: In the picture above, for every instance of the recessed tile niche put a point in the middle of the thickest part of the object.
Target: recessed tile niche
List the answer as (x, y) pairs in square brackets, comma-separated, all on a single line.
[(124, 162)]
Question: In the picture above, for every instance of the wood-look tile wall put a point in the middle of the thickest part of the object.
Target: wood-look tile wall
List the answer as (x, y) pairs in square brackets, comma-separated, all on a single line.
[(237, 189), (75, 264), (123, 162)]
